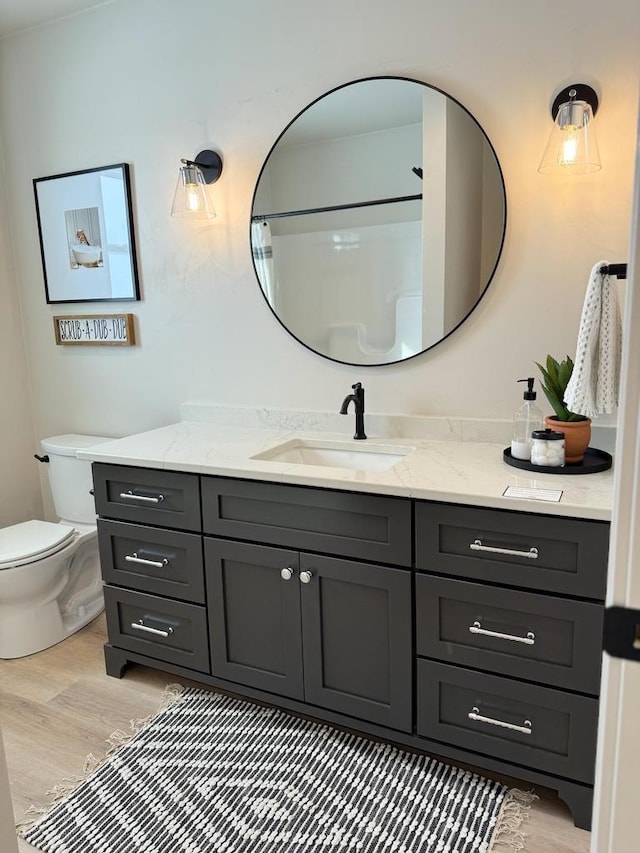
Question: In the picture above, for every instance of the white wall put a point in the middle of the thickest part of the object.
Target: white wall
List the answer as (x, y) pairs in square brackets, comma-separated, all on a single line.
[(19, 484), (150, 81)]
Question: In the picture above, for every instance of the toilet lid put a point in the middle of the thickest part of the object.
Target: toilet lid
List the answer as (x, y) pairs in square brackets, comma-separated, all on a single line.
[(29, 540)]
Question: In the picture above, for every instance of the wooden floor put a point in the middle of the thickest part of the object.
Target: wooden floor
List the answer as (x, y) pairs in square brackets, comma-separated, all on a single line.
[(58, 706)]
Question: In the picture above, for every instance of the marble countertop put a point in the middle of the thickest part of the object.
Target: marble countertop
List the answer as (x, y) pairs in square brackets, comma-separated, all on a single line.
[(465, 472)]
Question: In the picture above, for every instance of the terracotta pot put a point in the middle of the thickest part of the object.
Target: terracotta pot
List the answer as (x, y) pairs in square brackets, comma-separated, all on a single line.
[(577, 435)]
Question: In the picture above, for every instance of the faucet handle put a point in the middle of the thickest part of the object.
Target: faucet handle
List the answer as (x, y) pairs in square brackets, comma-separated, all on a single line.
[(357, 386)]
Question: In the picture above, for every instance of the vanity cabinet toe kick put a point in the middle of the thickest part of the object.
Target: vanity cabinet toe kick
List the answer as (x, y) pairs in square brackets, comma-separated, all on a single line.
[(472, 634)]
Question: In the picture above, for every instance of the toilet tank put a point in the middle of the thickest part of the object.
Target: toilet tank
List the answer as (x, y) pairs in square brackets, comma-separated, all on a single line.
[(70, 477)]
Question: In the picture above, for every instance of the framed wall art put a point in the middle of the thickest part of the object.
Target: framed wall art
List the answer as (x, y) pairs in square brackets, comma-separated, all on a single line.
[(95, 329), (87, 243)]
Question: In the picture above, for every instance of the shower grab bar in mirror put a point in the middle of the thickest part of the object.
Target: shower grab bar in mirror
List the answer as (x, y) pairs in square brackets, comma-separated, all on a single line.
[(261, 217)]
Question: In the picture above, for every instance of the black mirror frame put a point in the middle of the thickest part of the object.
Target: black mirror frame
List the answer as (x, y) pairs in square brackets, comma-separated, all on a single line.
[(502, 236)]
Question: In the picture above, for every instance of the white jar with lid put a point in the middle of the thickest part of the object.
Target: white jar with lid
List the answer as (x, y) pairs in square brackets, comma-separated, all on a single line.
[(547, 448)]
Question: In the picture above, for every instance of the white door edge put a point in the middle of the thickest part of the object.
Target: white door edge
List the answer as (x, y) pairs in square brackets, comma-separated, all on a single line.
[(616, 818)]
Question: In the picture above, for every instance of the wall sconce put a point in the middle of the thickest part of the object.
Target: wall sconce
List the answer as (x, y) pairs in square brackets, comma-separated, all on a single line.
[(190, 198), (572, 147)]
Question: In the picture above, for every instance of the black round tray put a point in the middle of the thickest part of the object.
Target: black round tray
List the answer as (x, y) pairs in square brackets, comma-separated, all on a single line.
[(594, 460)]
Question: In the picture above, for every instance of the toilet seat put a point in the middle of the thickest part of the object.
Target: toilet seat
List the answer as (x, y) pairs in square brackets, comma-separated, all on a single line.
[(32, 540)]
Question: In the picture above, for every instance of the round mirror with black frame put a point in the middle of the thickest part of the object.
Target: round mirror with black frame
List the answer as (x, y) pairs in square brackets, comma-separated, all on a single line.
[(378, 220)]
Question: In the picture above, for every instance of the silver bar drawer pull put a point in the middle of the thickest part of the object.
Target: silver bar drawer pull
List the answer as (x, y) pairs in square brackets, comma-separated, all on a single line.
[(140, 626), (156, 564), (477, 628), (130, 496), (475, 715), (531, 554)]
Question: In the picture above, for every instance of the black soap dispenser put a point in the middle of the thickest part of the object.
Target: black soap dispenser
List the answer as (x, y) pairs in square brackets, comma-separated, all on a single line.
[(525, 419)]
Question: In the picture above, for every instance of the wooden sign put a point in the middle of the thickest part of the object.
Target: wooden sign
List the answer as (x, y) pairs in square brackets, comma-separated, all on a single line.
[(102, 329)]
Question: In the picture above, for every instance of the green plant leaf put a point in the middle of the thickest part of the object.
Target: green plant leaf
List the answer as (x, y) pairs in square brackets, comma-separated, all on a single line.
[(556, 377), (546, 377), (564, 375), (552, 370)]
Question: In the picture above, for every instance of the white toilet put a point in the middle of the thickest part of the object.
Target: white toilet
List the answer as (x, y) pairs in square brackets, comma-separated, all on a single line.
[(50, 581)]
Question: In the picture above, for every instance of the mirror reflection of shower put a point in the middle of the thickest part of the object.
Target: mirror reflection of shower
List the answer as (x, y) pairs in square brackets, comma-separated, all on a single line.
[(83, 237), (377, 221)]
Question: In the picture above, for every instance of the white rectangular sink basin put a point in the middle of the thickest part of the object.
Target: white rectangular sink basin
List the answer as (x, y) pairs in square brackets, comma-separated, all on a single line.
[(360, 456)]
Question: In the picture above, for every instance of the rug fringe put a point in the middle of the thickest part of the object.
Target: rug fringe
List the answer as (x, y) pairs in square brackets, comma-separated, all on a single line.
[(115, 741), (514, 814)]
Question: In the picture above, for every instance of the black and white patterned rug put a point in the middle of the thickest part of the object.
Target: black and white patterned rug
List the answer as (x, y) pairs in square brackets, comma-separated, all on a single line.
[(213, 774)]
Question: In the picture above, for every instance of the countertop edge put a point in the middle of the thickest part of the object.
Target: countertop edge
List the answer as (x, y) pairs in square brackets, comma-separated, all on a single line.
[(180, 453)]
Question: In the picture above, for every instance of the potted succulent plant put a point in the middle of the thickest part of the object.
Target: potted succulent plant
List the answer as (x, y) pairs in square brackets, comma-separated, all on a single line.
[(576, 428)]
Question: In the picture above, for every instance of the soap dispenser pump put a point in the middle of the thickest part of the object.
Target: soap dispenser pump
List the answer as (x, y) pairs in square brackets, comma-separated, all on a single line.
[(525, 419)]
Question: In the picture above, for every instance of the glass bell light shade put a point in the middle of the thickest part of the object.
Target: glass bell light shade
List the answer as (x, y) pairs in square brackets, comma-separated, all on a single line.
[(572, 147), (190, 198)]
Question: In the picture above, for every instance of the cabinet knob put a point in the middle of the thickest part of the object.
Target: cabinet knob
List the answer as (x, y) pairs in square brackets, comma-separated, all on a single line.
[(286, 574), (305, 577)]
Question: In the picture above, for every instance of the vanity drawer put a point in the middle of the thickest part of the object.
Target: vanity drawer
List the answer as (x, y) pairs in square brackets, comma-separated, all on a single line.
[(151, 559), (553, 554), (536, 637), (158, 627), (163, 498), (368, 527), (525, 724)]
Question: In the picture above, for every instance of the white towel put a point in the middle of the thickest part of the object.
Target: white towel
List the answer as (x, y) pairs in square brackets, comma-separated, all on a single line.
[(262, 248), (593, 387)]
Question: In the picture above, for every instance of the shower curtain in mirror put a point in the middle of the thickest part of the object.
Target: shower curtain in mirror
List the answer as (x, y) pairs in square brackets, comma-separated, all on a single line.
[(262, 248)]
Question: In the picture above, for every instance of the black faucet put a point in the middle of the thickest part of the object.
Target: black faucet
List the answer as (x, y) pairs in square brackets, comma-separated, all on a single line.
[(358, 405)]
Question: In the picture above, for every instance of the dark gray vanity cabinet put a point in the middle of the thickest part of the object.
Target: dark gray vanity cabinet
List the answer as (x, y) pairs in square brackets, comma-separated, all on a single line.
[(334, 633), (473, 634), (509, 615), (152, 565)]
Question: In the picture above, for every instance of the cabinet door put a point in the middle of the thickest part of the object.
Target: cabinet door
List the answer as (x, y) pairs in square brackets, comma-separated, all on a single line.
[(356, 626), (254, 616)]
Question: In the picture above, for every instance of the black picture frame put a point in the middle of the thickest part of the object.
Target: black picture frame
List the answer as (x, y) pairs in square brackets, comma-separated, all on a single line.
[(87, 242)]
